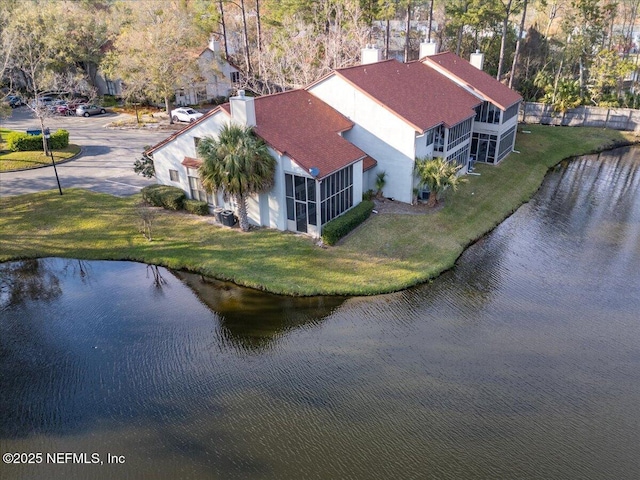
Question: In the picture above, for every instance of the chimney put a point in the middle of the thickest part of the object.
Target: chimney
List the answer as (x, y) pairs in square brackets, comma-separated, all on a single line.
[(477, 60), (370, 54), (243, 110), (428, 48), (214, 45)]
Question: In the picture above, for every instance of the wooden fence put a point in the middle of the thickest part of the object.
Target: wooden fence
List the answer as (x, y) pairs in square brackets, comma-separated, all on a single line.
[(583, 116)]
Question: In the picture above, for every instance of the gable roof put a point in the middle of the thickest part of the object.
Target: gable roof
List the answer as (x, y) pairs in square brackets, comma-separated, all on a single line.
[(299, 125), (419, 95), (479, 81), (306, 129)]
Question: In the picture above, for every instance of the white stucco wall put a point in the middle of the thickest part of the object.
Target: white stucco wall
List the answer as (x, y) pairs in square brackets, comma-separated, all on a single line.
[(378, 132)]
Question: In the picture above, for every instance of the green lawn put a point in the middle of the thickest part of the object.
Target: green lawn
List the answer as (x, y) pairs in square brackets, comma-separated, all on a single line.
[(22, 160), (387, 253)]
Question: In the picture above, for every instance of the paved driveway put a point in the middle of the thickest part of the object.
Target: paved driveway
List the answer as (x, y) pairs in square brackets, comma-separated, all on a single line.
[(105, 164)]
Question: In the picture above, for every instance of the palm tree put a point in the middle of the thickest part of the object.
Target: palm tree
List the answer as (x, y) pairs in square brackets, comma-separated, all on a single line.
[(437, 174), (239, 164)]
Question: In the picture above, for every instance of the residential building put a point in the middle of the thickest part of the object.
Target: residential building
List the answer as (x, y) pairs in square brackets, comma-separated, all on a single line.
[(401, 111), (214, 77), (325, 138), (496, 118), (318, 174)]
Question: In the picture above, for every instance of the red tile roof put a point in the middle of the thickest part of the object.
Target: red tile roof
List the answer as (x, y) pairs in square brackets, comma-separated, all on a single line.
[(306, 129), (480, 81), (368, 163), (421, 96), (191, 162)]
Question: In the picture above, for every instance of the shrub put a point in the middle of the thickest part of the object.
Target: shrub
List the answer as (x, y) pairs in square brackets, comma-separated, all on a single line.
[(369, 195), (109, 101), (339, 227), (171, 198), (59, 139), (22, 142), (196, 207)]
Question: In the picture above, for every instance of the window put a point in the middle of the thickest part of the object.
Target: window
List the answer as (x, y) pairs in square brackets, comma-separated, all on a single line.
[(459, 133), (460, 158), (196, 142), (506, 143), (197, 190), (300, 193), (511, 112), (235, 77), (483, 147), (487, 113), (430, 135), (336, 193), (173, 175), (438, 133)]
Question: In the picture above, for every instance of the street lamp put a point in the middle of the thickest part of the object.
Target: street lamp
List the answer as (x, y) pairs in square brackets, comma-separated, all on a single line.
[(47, 136)]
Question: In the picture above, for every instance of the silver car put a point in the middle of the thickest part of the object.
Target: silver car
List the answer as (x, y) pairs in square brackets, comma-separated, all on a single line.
[(87, 110)]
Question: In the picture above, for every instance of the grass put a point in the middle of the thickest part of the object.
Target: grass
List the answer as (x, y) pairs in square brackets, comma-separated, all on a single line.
[(385, 254), (10, 161)]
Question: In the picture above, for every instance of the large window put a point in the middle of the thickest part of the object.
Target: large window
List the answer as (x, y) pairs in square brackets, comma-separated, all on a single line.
[(301, 201), (488, 113), (511, 112), (459, 133), (506, 143), (461, 157), (483, 147), (336, 193)]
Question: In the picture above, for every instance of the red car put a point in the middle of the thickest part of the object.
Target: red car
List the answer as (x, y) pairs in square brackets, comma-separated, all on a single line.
[(67, 108)]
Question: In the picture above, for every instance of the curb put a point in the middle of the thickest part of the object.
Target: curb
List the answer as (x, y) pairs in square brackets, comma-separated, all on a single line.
[(46, 166)]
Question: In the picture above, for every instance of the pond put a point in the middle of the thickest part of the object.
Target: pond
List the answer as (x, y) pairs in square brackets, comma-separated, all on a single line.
[(521, 362)]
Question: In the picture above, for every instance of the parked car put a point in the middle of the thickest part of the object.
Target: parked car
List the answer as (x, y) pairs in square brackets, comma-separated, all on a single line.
[(53, 106), (185, 115), (43, 102), (86, 110), (67, 108), (14, 101)]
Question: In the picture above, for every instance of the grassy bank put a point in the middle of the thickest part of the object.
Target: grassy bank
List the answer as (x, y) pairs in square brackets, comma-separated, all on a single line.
[(387, 253)]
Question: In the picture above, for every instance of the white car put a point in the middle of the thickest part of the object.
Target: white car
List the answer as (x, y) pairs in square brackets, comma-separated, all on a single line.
[(185, 115)]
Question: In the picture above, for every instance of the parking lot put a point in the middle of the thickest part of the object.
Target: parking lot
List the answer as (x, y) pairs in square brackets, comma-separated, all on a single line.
[(104, 165)]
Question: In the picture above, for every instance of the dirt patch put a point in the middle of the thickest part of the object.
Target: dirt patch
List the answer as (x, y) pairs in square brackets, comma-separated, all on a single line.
[(388, 206)]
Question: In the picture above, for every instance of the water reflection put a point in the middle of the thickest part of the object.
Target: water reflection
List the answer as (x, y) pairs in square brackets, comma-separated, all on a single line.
[(251, 319), (25, 280)]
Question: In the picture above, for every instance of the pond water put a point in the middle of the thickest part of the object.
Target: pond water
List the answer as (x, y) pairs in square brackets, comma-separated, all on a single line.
[(522, 362)]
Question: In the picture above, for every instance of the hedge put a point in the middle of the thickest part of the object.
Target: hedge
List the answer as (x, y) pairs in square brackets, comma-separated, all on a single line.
[(196, 207), (340, 226), (171, 198), (22, 142)]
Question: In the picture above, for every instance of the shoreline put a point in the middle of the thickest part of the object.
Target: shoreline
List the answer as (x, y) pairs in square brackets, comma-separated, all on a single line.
[(386, 254)]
